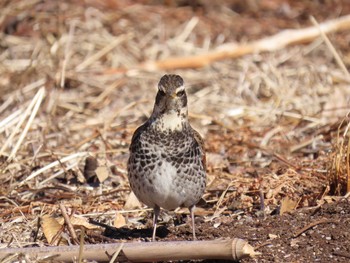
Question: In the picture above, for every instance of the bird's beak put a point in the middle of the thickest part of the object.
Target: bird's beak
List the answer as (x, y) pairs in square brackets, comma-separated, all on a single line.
[(173, 96)]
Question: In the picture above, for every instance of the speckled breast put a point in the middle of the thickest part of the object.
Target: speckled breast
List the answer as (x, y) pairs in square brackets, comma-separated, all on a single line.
[(166, 169)]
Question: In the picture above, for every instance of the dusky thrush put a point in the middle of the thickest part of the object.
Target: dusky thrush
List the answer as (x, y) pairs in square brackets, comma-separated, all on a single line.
[(167, 167)]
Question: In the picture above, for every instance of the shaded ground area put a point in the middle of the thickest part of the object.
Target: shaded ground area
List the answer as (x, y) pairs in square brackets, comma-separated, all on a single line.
[(307, 235), (275, 125), (316, 234)]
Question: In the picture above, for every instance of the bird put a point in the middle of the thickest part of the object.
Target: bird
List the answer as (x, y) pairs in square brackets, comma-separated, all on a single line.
[(167, 161)]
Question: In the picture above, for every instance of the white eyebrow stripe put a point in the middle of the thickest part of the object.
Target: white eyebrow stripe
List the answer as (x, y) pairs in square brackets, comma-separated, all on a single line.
[(181, 88)]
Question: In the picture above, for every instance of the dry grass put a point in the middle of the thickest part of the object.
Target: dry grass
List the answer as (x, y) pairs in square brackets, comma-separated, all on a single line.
[(270, 120), (339, 171)]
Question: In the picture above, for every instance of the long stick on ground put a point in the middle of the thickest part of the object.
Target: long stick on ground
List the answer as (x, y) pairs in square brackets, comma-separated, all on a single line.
[(230, 249), (234, 50), (53, 164)]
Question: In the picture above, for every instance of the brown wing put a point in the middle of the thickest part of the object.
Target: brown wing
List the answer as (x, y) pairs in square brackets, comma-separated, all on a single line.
[(200, 141)]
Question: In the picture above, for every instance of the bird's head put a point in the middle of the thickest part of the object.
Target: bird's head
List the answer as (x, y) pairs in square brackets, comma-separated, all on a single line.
[(171, 100), (171, 96)]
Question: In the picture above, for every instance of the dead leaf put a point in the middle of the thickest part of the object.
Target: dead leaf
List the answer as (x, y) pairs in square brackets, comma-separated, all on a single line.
[(132, 202), (102, 173), (119, 220), (50, 227), (287, 205)]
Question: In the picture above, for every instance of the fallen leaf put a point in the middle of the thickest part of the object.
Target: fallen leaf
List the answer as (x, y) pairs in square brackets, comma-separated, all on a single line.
[(287, 205), (102, 173), (50, 227), (132, 202), (119, 220)]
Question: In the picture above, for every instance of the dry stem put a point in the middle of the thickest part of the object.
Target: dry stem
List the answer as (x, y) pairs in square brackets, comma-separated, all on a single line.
[(230, 249)]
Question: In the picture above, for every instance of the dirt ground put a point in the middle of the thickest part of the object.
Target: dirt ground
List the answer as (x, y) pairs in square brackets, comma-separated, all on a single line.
[(77, 79), (285, 238)]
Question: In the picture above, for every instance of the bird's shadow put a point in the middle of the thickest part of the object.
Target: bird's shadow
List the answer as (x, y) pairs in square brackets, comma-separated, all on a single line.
[(126, 233)]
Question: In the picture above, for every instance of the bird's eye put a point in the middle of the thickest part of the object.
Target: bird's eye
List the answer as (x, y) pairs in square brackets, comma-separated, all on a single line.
[(180, 93), (161, 92)]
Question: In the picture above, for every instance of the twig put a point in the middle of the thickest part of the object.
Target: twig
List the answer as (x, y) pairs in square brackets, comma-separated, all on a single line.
[(6, 104), (113, 212), (342, 254), (9, 120), (284, 114), (299, 146), (116, 253), (285, 161), (57, 237), (36, 152), (107, 145), (262, 200), (221, 200), (322, 221), (69, 224), (187, 30), (34, 85), (86, 140), (53, 164), (39, 97), (81, 245), (269, 135), (118, 112), (67, 52), (266, 243), (13, 210), (273, 43), (20, 122), (331, 47), (63, 171), (102, 52), (37, 229), (17, 207), (279, 157), (107, 91), (347, 195)]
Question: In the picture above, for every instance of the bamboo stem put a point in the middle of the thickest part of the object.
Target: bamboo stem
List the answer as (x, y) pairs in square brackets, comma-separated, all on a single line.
[(229, 249)]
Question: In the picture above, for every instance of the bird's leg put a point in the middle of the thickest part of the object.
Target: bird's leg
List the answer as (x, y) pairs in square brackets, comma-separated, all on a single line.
[(156, 211), (191, 208)]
